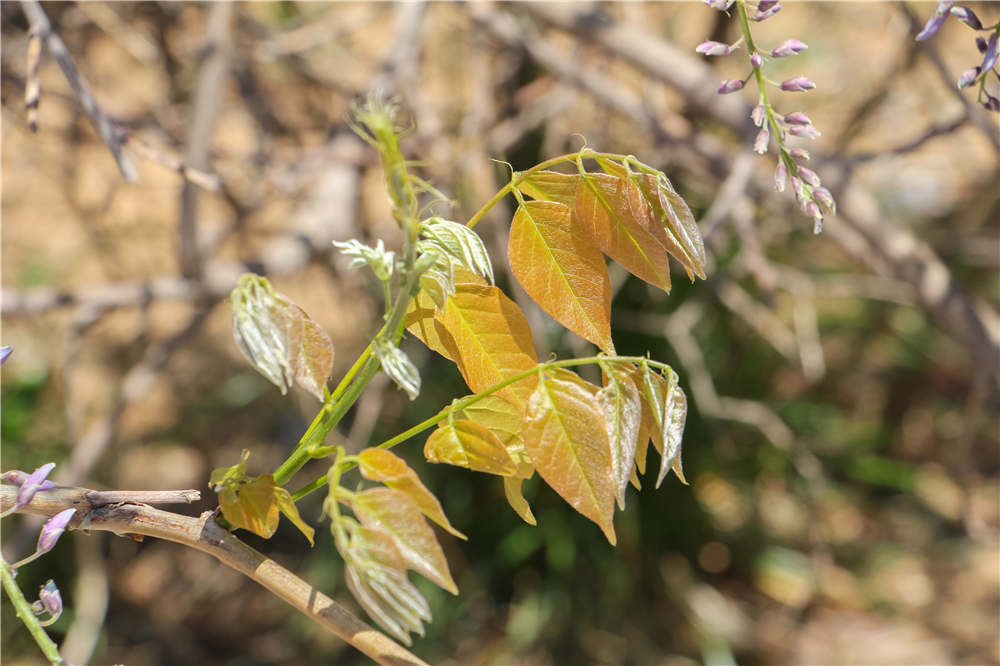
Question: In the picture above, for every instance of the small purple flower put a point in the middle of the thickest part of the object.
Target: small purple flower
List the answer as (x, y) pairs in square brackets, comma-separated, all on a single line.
[(33, 483), (763, 15), (714, 49), (53, 529), (809, 176), (967, 16), (935, 22), (789, 47), (730, 86), (990, 58), (17, 477), (797, 118), (992, 103), (780, 176), (823, 196), (757, 115), (981, 44), (756, 60), (764, 5), (4, 353), (50, 601), (968, 77), (721, 5), (760, 143), (800, 154), (804, 131), (797, 84)]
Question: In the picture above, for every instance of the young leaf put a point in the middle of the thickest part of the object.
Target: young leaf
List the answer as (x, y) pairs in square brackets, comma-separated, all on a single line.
[(622, 407), (615, 215), (551, 186), (565, 435), (460, 243), (667, 412), (512, 489), (676, 227), (505, 420), (395, 513), (471, 445), (398, 366), (421, 323), (388, 468), (677, 409), (251, 506), (387, 596), (287, 506), (315, 359), (563, 272), (492, 339)]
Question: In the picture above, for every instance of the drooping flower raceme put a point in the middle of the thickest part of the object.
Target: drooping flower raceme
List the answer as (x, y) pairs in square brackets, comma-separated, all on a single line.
[(987, 46)]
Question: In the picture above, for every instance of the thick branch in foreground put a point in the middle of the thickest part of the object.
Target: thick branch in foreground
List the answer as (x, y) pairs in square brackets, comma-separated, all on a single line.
[(204, 534)]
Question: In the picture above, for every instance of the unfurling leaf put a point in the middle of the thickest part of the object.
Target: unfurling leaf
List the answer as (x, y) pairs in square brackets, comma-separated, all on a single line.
[(682, 238), (395, 513), (457, 243), (398, 366), (287, 506), (565, 435), (665, 409), (551, 186), (622, 408), (388, 468), (512, 489), (492, 339), (251, 506), (615, 215), (377, 257), (468, 444), (278, 337), (561, 270)]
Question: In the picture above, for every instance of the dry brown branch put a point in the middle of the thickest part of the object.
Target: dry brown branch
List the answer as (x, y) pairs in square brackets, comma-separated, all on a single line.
[(204, 534)]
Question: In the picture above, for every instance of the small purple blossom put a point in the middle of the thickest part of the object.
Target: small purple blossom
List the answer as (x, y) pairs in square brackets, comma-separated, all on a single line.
[(760, 143), (800, 154), (968, 77), (721, 5), (17, 477), (812, 210), (5, 351), (809, 176), (49, 601), (967, 16), (53, 529), (823, 196), (797, 118), (757, 60), (789, 47), (714, 49), (730, 86), (935, 22), (981, 44), (764, 5), (992, 103), (797, 84), (780, 176), (33, 483), (804, 131), (763, 15), (757, 115), (990, 58)]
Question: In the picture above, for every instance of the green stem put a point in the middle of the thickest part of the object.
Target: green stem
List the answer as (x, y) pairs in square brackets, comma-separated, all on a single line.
[(471, 400), (25, 614)]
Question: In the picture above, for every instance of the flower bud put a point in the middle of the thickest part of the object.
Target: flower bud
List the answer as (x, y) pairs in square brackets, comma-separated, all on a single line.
[(756, 61), (33, 483), (4, 353), (823, 196), (730, 86), (789, 47), (721, 5), (714, 49), (780, 176), (809, 176), (764, 5), (17, 477), (968, 77), (760, 15), (797, 118), (800, 155), (935, 22), (804, 131), (991, 55), (991, 103), (53, 529), (797, 84), (757, 115), (760, 144), (967, 16), (981, 44), (51, 602)]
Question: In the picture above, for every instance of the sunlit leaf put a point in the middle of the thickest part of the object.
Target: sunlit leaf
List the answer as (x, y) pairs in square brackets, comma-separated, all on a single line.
[(565, 435), (398, 515), (615, 215), (667, 412), (551, 186), (512, 490), (561, 270), (682, 238), (492, 339), (398, 366), (458, 242), (505, 419), (420, 321), (388, 468), (315, 359), (622, 408), (287, 506), (377, 546), (468, 444), (251, 506)]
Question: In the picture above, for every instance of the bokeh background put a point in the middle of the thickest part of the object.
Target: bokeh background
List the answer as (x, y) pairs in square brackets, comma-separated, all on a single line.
[(842, 441)]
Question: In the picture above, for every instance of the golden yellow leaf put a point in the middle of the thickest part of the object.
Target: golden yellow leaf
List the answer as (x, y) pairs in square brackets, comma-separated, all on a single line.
[(562, 270), (613, 212), (251, 506), (420, 322), (512, 490), (675, 226), (505, 420), (468, 444), (551, 186), (388, 468), (565, 435)]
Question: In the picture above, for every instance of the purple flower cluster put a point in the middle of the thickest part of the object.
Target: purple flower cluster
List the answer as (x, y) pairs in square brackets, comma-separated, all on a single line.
[(28, 485), (987, 46), (808, 189)]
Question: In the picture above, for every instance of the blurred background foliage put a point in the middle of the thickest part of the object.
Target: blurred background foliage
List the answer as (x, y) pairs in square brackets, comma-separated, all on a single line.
[(842, 442)]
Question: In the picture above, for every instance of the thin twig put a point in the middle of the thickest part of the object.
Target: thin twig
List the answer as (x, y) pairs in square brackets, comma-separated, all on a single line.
[(204, 534)]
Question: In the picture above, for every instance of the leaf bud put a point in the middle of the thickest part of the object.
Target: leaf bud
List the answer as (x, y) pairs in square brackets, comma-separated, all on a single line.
[(809, 176), (713, 49), (967, 16), (756, 60), (760, 143), (935, 22), (789, 47), (730, 86), (33, 483), (53, 529), (797, 84), (757, 115)]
